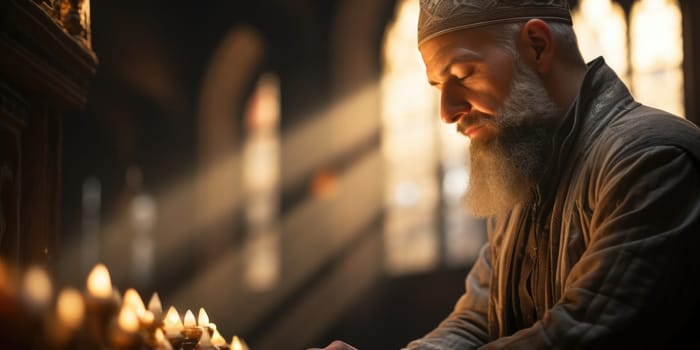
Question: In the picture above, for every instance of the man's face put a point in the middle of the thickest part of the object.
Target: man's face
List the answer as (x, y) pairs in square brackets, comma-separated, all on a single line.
[(500, 103), (474, 77)]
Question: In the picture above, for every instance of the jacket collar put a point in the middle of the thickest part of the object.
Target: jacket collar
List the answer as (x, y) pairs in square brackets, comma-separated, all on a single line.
[(601, 97)]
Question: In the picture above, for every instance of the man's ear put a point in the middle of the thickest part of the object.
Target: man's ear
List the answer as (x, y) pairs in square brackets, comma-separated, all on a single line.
[(536, 44)]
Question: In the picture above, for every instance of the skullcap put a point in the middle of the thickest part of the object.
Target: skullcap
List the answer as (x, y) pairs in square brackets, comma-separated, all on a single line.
[(439, 17)]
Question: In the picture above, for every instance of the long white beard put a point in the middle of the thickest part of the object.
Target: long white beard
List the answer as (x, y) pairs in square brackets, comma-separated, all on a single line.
[(505, 170)]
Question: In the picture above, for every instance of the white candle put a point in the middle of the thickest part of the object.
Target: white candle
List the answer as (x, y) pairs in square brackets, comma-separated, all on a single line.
[(155, 306), (161, 343), (205, 340), (172, 323), (133, 301), (217, 339)]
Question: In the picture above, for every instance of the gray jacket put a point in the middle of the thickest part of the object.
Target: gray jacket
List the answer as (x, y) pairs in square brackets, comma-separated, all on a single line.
[(610, 246)]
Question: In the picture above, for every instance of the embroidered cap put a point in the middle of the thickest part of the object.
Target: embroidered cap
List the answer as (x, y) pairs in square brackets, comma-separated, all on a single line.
[(439, 17)]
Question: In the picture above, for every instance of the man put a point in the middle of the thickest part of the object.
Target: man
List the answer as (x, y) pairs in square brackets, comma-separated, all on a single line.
[(592, 199)]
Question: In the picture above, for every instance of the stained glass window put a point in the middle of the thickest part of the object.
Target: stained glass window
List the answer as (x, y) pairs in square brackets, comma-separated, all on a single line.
[(426, 172), (645, 56), (657, 54)]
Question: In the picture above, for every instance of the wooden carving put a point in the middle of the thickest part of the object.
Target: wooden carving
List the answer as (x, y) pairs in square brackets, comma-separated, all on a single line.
[(72, 15)]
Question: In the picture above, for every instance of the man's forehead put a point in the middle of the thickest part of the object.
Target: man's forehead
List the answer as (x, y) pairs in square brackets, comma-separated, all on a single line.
[(466, 43)]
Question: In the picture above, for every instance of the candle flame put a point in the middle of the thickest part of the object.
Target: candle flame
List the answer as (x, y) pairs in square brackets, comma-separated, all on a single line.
[(99, 283), (160, 341), (70, 308), (147, 318), (172, 322), (154, 305), (237, 344), (133, 300), (160, 337), (189, 319), (128, 321), (37, 288), (203, 318), (205, 339), (217, 339)]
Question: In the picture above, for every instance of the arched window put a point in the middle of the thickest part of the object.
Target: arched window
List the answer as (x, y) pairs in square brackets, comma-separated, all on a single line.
[(657, 54), (426, 170), (645, 56), (142, 214), (601, 30), (241, 176), (261, 183)]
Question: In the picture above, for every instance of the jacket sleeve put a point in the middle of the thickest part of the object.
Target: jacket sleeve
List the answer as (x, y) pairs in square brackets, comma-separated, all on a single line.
[(466, 326), (637, 282)]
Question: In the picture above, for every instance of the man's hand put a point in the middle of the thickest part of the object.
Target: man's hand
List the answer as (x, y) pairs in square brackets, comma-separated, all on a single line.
[(336, 345)]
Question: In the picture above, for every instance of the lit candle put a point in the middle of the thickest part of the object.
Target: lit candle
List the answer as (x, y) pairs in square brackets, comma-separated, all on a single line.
[(133, 301), (155, 306), (172, 324), (128, 321), (99, 284), (60, 329), (173, 327), (70, 308), (205, 342), (101, 304), (36, 289), (238, 344), (125, 334), (159, 336), (160, 342), (203, 318), (189, 319), (153, 316), (191, 332), (219, 341), (203, 322)]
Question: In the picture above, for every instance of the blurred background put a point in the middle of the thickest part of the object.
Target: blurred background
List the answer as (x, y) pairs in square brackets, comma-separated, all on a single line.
[(282, 163)]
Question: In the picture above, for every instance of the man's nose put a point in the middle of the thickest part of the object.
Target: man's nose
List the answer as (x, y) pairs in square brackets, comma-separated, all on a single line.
[(453, 103)]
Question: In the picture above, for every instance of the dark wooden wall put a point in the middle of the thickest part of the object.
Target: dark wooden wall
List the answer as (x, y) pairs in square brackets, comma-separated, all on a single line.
[(45, 71)]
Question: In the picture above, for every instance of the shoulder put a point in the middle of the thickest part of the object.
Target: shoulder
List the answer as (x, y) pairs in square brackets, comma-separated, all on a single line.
[(645, 129), (643, 146)]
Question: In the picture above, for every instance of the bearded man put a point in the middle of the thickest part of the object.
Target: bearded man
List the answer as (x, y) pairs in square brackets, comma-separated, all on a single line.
[(592, 199)]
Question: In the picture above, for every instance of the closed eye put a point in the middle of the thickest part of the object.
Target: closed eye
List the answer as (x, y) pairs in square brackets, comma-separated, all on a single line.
[(462, 71), (435, 84), (463, 80), (459, 79)]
